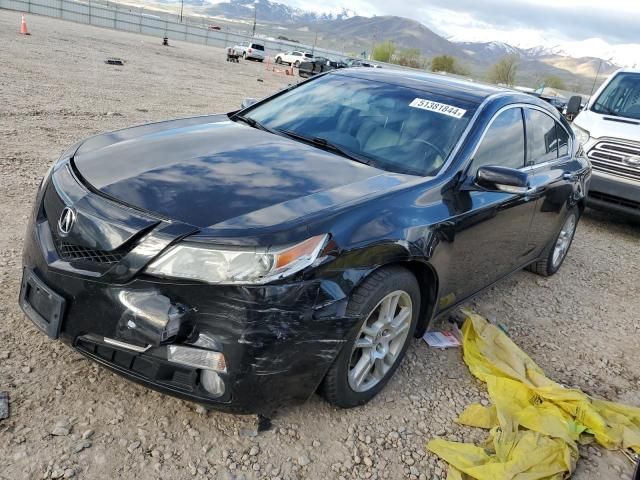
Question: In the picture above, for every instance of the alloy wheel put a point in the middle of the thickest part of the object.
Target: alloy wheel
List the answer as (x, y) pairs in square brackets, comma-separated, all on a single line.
[(564, 241), (380, 341)]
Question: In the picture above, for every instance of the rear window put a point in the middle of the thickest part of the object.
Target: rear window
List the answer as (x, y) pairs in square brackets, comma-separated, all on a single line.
[(308, 55), (257, 46)]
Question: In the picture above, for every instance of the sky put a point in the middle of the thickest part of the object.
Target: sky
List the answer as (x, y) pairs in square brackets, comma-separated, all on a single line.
[(608, 29)]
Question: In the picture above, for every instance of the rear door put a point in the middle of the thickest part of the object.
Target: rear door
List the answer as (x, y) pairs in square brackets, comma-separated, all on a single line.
[(553, 175), (489, 228)]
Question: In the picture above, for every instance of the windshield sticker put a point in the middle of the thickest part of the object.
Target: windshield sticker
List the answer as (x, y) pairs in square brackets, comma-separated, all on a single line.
[(443, 108)]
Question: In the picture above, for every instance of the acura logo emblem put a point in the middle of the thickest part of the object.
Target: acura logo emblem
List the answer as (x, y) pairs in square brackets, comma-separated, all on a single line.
[(66, 221)]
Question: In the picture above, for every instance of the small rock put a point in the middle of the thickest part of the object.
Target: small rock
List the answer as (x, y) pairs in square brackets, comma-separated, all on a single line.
[(133, 446), (26, 369), (78, 447), (57, 473), (201, 410), (368, 462), (87, 434), (304, 460), (69, 472), (254, 451), (61, 429), (5, 355)]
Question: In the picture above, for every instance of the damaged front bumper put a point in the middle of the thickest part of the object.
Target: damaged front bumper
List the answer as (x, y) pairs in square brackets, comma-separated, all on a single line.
[(271, 345)]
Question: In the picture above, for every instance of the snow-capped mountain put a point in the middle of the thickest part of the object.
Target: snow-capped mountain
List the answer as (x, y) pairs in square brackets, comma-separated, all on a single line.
[(270, 11)]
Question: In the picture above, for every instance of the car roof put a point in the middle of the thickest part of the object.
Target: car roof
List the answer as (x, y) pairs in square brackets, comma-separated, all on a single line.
[(454, 87)]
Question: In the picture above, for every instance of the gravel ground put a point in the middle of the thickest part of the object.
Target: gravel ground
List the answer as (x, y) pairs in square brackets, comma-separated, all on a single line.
[(70, 417)]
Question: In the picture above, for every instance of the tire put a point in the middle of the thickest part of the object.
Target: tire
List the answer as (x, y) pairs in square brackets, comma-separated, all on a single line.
[(296, 63), (548, 264), (279, 60), (261, 60), (340, 386), (244, 55)]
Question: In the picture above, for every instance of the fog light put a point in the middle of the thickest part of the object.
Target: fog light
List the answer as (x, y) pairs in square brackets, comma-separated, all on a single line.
[(194, 357), (212, 383)]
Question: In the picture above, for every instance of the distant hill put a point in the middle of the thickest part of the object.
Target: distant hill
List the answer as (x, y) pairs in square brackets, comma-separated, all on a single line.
[(353, 34)]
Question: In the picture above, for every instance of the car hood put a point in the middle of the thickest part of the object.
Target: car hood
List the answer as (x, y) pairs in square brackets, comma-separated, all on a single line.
[(209, 171), (608, 126)]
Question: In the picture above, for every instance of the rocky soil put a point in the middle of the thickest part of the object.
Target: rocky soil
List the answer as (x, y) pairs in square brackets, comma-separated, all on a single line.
[(73, 419)]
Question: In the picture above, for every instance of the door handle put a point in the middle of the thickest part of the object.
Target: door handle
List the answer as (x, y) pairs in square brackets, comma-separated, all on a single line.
[(535, 190)]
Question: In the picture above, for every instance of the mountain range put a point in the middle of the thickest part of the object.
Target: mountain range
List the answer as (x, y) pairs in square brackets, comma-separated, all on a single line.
[(352, 34)]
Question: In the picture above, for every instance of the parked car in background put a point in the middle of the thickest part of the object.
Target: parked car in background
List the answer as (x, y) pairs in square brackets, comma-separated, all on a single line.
[(608, 129), (356, 62), (214, 27), (247, 260), (318, 65), (295, 58), (558, 102), (251, 50)]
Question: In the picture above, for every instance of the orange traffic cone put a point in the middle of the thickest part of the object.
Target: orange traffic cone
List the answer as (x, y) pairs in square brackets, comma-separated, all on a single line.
[(23, 26)]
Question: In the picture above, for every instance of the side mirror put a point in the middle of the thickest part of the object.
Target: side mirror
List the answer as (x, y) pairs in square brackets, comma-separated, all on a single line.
[(247, 102), (573, 107), (502, 179)]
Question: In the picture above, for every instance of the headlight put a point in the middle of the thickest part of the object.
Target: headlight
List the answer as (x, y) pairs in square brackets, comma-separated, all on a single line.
[(227, 265), (582, 136), (64, 158)]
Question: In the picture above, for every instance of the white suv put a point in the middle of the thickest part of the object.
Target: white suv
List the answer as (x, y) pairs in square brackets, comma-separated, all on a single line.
[(609, 131), (250, 50), (294, 58)]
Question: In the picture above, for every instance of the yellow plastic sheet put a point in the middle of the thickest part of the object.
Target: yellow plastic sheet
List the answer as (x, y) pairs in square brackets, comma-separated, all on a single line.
[(535, 423)]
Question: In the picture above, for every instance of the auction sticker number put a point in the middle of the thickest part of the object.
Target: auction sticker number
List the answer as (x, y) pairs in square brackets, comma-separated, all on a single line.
[(442, 108)]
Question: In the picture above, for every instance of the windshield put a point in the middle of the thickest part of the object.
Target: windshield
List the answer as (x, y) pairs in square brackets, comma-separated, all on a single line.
[(257, 46), (621, 97), (391, 127)]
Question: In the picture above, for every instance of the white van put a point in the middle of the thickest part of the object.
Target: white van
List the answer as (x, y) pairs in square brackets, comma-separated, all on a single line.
[(609, 131)]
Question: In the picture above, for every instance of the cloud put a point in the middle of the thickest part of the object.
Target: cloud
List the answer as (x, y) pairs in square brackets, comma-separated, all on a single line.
[(580, 27)]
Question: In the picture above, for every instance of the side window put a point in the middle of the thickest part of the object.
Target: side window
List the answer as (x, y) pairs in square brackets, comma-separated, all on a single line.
[(563, 140), (541, 136), (503, 143)]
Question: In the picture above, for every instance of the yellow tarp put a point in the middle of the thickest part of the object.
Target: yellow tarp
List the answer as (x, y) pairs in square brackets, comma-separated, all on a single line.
[(535, 423)]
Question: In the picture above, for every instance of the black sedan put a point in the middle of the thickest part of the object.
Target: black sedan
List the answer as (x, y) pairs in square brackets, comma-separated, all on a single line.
[(248, 260), (319, 65)]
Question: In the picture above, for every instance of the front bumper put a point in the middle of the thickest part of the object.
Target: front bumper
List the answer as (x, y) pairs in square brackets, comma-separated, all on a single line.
[(278, 341), (608, 192)]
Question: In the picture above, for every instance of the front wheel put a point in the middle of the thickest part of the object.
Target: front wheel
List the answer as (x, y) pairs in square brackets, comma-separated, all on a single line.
[(389, 302), (296, 63), (278, 60), (555, 253)]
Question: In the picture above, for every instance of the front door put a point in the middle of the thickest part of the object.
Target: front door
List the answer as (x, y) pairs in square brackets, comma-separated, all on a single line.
[(487, 230)]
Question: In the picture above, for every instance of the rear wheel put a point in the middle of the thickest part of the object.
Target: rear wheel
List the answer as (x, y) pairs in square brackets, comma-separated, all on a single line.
[(296, 63), (555, 253), (279, 60), (389, 301)]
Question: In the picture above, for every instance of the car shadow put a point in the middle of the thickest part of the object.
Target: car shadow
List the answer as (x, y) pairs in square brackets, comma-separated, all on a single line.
[(616, 222)]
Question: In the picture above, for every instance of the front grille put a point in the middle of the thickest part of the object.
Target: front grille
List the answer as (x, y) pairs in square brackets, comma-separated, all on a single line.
[(70, 252), (612, 156)]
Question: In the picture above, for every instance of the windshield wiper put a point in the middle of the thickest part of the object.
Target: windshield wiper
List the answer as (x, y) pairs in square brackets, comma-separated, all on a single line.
[(254, 123), (327, 145)]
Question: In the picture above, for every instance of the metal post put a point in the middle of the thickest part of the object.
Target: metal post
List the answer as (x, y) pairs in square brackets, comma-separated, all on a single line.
[(181, 8), (255, 15)]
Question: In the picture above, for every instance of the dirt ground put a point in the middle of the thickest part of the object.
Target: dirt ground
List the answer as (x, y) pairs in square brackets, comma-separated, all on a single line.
[(70, 418)]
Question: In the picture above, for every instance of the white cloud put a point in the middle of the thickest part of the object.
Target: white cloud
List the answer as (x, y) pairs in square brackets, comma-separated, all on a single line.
[(579, 27)]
